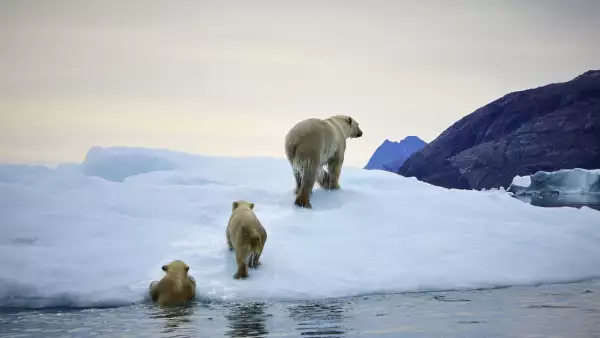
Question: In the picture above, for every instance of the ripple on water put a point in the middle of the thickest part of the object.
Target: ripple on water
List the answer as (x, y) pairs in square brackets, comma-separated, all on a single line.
[(567, 310)]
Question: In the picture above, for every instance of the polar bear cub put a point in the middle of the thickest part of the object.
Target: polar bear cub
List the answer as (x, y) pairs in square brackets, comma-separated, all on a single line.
[(246, 236), (175, 287)]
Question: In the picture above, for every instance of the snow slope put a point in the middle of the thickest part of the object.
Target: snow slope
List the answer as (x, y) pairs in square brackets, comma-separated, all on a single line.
[(96, 234)]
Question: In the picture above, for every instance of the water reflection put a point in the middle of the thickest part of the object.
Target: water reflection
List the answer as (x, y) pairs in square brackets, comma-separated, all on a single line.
[(247, 320), (557, 310), (319, 319), (176, 319)]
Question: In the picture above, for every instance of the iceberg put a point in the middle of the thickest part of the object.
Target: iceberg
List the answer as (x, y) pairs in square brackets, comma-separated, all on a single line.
[(95, 234), (567, 187)]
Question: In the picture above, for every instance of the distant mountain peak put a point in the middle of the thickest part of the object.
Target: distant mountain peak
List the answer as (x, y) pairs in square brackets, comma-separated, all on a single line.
[(391, 154), (411, 139)]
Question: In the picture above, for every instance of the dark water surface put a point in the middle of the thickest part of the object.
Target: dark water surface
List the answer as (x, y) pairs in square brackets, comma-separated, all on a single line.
[(591, 200), (562, 310)]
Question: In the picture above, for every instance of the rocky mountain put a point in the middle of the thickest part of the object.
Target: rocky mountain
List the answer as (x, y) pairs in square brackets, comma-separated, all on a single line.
[(548, 128), (390, 155)]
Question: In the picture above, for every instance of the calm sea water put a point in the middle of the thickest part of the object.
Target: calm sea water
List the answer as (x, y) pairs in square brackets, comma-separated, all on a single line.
[(591, 200), (560, 310)]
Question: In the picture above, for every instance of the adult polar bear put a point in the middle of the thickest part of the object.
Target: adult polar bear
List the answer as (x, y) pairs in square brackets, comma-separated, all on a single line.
[(311, 144)]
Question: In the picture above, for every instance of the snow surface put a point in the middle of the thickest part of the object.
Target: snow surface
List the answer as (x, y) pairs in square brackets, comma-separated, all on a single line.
[(90, 235)]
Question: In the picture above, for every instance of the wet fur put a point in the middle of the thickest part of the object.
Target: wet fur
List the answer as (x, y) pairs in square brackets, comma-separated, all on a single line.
[(175, 287), (313, 143), (246, 236)]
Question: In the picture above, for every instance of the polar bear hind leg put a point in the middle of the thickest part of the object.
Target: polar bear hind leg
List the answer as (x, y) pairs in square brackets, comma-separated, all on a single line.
[(309, 171)]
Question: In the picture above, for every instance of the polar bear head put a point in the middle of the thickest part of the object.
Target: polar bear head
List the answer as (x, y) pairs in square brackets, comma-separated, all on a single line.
[(348, 124), (242, 204), (177, 267)]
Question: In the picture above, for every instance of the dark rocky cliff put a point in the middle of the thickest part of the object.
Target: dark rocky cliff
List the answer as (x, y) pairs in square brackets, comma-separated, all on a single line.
[(548, 128)]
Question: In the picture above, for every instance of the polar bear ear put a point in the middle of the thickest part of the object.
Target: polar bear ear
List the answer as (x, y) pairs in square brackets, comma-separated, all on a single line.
[(234, 205), (165, 268), (251, 205)]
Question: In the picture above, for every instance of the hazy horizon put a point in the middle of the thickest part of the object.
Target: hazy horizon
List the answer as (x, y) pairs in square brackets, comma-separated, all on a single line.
[(230, 78)]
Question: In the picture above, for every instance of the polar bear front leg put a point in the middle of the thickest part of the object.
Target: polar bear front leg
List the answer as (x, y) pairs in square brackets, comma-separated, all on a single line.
[(334, 166), (323, 178), (153, 290)]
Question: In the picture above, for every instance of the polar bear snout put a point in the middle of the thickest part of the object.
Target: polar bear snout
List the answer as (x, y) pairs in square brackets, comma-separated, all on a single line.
[(357, 133), (355, 130)]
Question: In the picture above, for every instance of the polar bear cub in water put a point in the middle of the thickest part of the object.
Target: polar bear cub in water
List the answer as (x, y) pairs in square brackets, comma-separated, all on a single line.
[(175, 287)]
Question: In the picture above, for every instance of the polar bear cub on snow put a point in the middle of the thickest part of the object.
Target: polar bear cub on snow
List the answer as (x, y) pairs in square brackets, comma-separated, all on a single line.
[(246, 236)]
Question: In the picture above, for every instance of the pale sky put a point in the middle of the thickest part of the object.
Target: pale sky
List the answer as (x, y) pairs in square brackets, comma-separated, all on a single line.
[(231, 77)]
